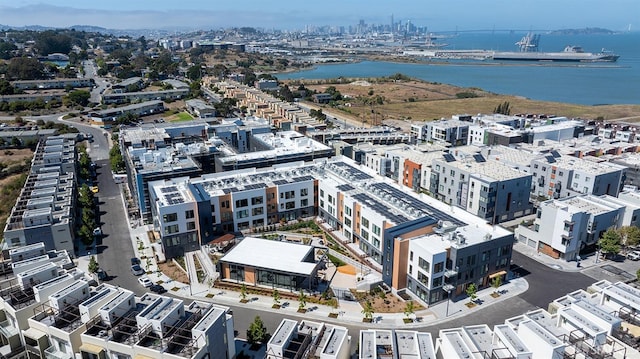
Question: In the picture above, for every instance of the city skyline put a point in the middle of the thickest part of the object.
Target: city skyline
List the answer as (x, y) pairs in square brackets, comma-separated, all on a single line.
[(289, 15)]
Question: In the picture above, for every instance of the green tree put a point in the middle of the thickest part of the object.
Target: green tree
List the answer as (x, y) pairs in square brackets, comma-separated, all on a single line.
[(115, 159), (610, 243), (496, 282), (93, 265), (302, 300), (409, 309), (6, 88), (194, 73), (77, 97), (7, 49), (257, 332), (367, 310), (629, 235), (51, 41), (503, 108), (276, 297), (243, 292), (25, 68), (472, 292)]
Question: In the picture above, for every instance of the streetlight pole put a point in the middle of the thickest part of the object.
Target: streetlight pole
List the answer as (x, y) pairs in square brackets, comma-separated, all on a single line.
[(448, 288)]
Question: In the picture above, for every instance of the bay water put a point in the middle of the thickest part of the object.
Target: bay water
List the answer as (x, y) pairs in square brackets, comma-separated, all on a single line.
[(579, 83)]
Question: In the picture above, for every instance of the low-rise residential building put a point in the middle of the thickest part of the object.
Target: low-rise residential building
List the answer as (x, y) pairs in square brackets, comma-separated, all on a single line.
[(45, 209), (164, 95), (268, 85), (141, 109), (489, 189), (200, 108), (53, 83), (395, 344), (558, 176), (308, 339), (565, 227), (131, 84), (443, 262), (30, 97), (453, 131)]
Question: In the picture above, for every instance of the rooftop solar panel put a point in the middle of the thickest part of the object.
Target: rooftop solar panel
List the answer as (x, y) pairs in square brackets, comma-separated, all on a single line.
[(344, 187), (280, 182)]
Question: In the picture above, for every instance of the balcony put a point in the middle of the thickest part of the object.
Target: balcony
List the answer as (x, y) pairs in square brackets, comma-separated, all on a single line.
[(568, 236), (53, 353), (450, 273), (8, 330)]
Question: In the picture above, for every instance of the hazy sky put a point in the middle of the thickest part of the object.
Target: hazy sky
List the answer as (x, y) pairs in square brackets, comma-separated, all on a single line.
[(438, 15)]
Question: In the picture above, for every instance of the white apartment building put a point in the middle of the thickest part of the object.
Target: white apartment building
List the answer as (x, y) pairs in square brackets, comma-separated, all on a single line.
[(556, 176), (308, 339), (488, 189), (44, 211), (376, 343), (566, 226)]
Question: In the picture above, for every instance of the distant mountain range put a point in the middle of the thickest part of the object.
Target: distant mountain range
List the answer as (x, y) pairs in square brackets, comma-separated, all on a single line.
[(116, 32)]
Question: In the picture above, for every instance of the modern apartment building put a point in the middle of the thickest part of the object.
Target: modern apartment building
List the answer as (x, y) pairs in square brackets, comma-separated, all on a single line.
[(376, 343), (309, 339), (486, 188), (49, 309), (454, 131), (566, 226), (44, 210), (444, 262), (557, 176)]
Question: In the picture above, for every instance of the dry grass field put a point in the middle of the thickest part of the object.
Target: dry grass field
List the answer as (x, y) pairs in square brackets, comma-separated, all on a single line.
[(423, 101)]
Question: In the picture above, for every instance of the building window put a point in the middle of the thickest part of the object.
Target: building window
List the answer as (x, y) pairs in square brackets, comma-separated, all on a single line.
[(347, 222), (242, 203), (189, 214), (426, 266), (439, 267), (304, 202), (411, 256), (365, 222), (191, 226), (304, 192), (170, 217), (375, 229), (257, 211), (171, 229), (257, 200), (437, 282), (242, 213), (290, 205), (347, 211), (224, 204), (364, 234), (322, 193), (213, 208), (424, 279)]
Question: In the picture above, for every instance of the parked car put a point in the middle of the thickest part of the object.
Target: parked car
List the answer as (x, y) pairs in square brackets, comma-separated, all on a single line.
[(145, 282), (156, 288), (634, 256), (102, 275), (135, 261), (137, 270)]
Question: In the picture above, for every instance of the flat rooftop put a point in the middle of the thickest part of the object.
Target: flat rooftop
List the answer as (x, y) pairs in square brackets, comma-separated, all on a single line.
[(274, 255)]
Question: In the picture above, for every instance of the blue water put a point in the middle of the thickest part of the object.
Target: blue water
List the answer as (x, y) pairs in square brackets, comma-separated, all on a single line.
[(589, 84)]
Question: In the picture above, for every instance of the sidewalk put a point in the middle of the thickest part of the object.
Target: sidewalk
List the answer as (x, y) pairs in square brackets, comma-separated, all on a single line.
[(559, 264)]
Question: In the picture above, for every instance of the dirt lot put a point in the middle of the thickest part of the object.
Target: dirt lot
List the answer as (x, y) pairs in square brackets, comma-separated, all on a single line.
[(423, 101), (388, 303), (174, 272)]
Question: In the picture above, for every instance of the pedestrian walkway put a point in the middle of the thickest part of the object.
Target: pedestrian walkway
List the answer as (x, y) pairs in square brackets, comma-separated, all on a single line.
[(559, 264)]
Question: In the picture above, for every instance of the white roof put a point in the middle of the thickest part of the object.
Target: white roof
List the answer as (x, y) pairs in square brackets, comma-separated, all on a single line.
[(270, 254)]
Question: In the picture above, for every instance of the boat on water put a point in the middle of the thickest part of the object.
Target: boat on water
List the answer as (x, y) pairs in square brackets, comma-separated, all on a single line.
[(528, 46)]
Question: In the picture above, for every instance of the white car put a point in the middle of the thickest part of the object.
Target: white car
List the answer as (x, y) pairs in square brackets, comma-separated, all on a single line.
[(137, 270), (634, 256), (146, 282)]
